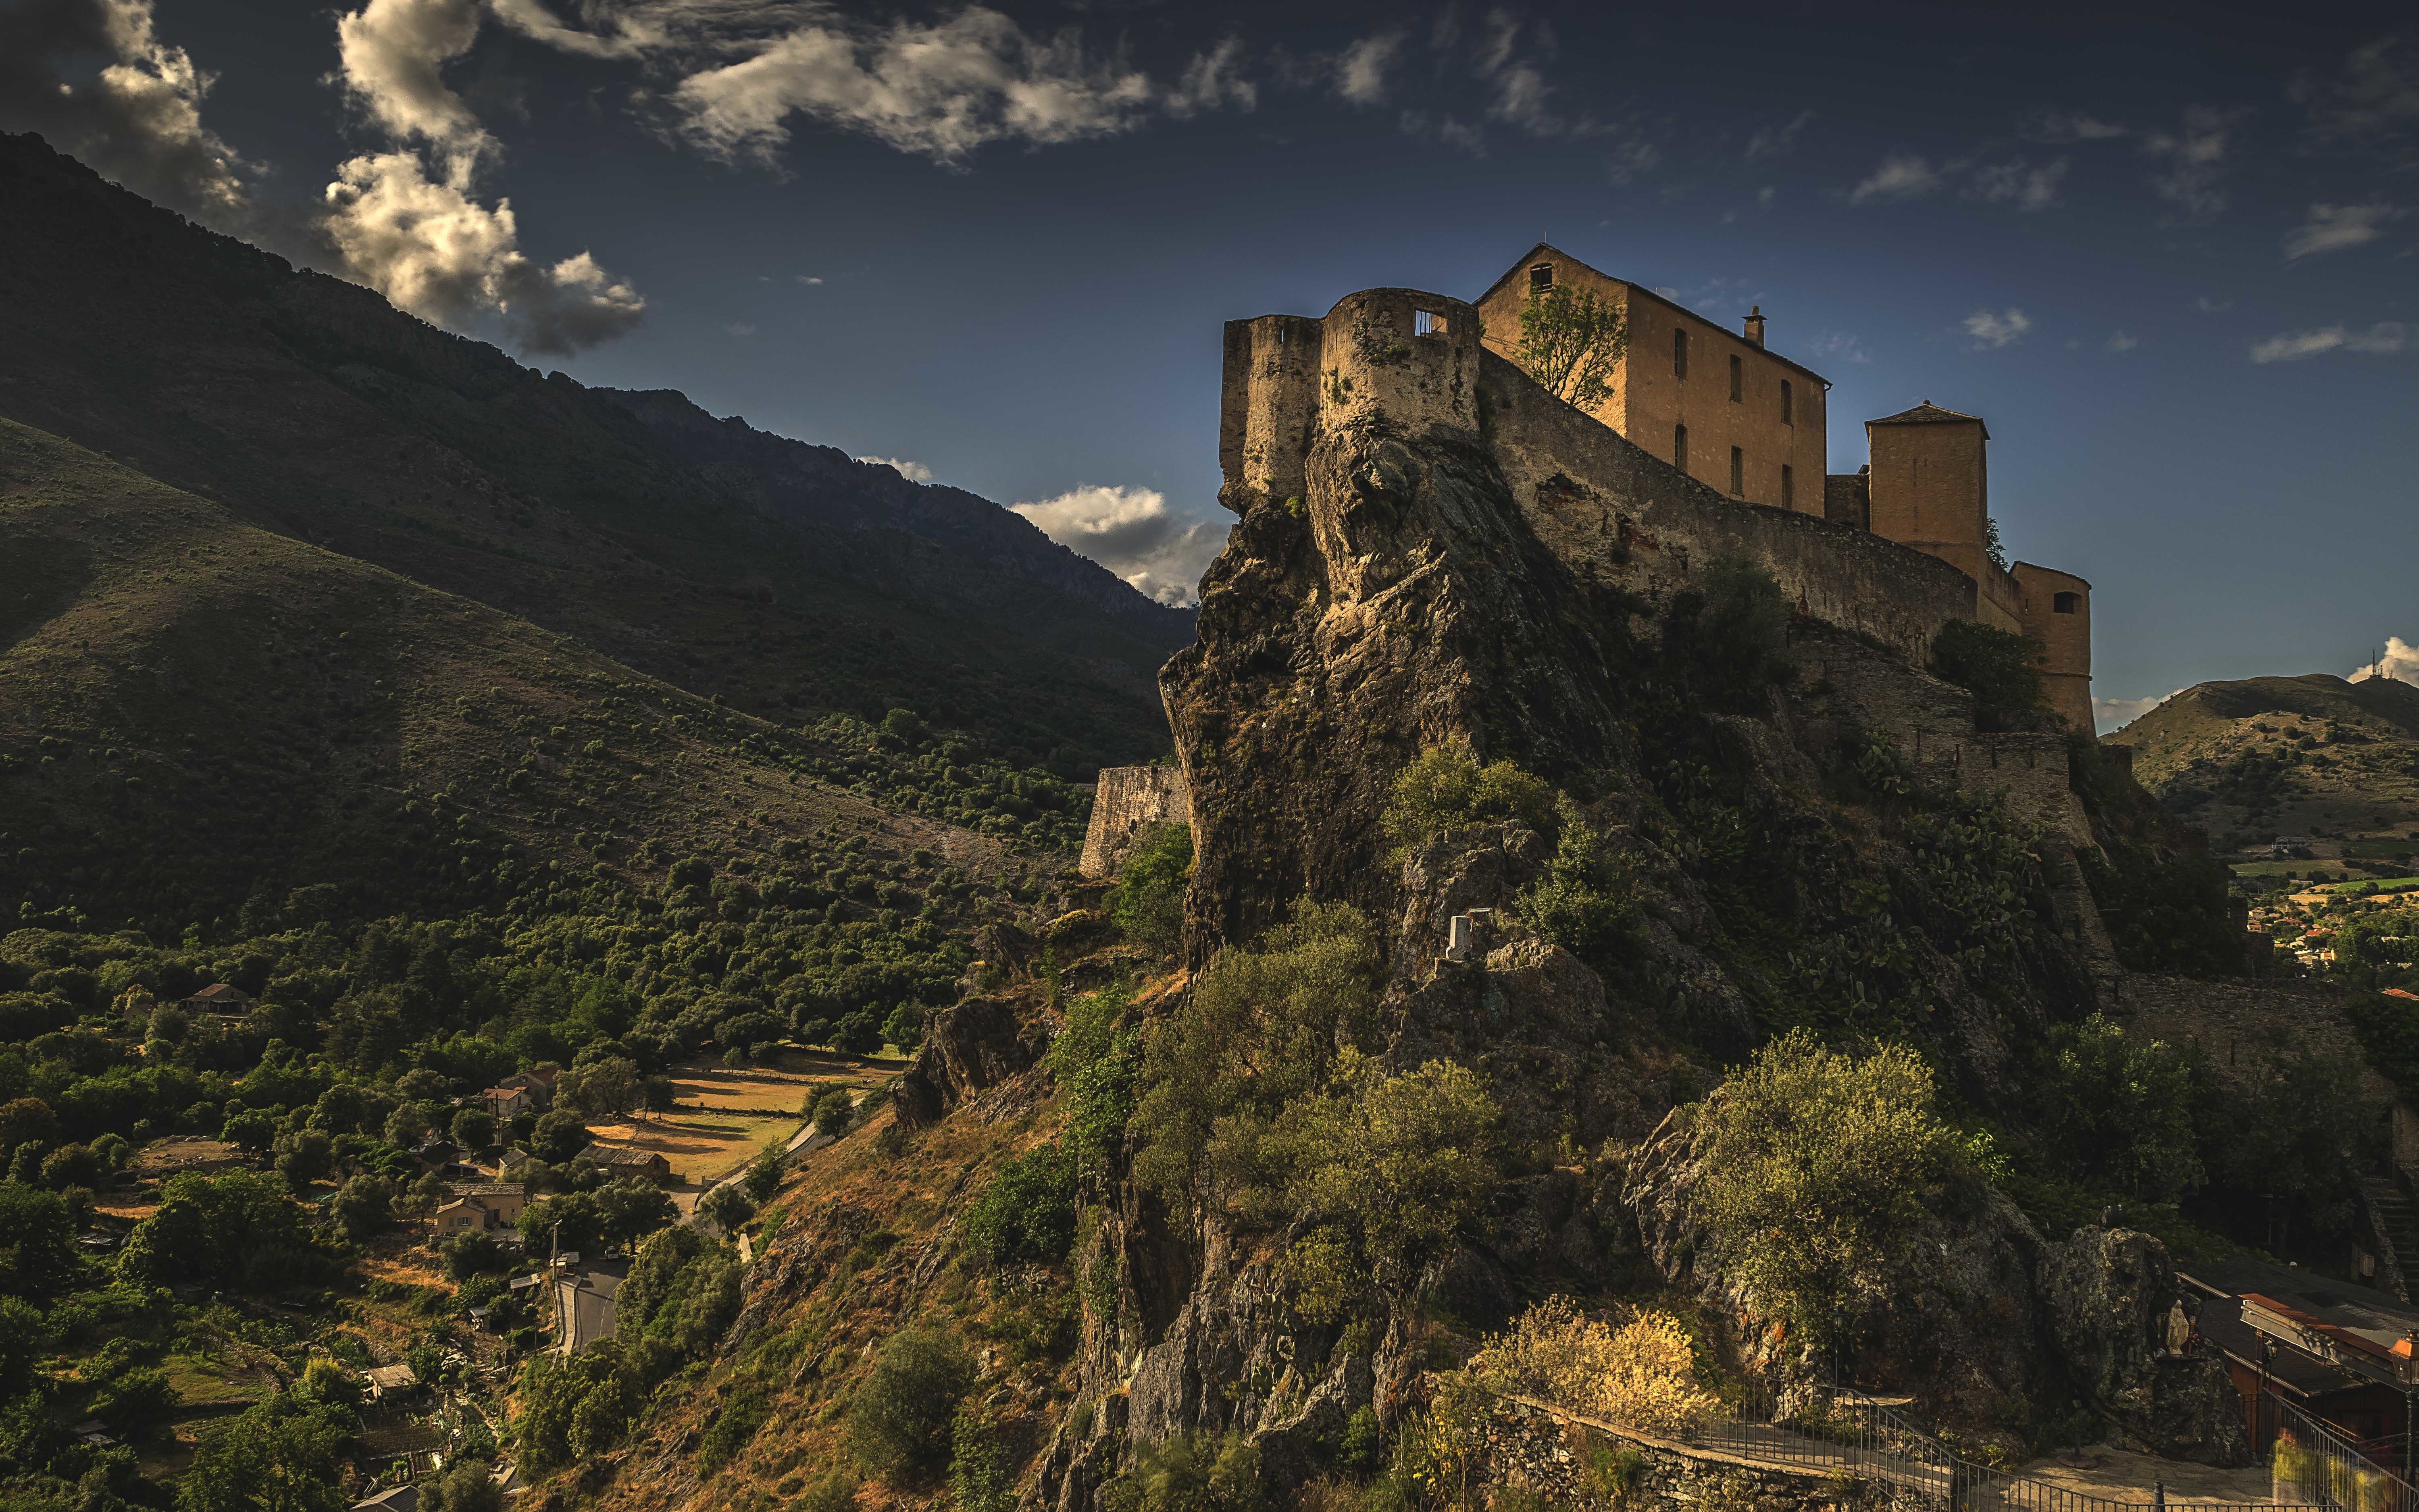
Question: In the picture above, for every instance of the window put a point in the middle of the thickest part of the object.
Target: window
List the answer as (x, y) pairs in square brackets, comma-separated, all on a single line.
[(1281, 335), (2066, 603), (1679, 354), (1738, 380), (1788, 487), (1680, 447), (1426, 323), (1542, 276), (1788, 410), (1738, 472)]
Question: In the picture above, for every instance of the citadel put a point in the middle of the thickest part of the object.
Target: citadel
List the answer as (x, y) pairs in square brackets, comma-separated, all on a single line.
[(1707, 443)]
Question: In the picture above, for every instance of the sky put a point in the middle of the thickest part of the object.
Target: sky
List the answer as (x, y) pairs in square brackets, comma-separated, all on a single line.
[(2170, 253)]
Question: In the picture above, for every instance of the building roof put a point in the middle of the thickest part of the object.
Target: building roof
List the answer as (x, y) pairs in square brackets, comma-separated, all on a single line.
[(220, 992), (2359, 1327), (394, 1499), (1642, 291), (1928, 414), (614, 1155), (390, 1377)]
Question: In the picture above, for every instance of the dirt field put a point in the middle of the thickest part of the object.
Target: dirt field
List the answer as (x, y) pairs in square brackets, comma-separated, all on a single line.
[(723, 1117)]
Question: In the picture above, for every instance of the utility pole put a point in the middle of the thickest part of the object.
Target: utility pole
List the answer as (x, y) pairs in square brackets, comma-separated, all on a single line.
[(554, 1285)]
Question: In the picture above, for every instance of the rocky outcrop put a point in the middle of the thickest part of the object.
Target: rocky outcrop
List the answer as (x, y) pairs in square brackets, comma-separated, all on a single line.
[(969, 1048), (2107, 1299), (1127, 801)]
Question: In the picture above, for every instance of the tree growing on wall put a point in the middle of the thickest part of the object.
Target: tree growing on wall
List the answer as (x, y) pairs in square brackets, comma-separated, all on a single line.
[(1569, 340)]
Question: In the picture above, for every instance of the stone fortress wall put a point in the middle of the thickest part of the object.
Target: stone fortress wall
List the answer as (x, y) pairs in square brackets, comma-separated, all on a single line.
[(1127, 801)]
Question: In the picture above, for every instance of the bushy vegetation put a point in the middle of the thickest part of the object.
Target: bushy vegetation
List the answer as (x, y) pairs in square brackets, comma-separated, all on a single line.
[(900, 1420), (1445, 788), (1818, 1168), (1148, 902), (1641, 1375), (2000, 668)]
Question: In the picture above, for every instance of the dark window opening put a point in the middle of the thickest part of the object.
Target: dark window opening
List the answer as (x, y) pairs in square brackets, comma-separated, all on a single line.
[(1788, 412), (1738, 471), (2066, 603), (1788, 487), (1738, 380), (1680, 447), (1426, 323), (1542, 276), (1679, 354)]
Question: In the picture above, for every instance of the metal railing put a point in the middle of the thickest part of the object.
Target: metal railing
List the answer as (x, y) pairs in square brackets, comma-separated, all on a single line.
[(2316, 1464), (1840, 1431)]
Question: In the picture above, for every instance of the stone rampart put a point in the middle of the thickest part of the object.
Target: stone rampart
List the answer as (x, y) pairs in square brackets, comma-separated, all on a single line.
[(2245, 1026), (1614, 513), (1127, 801)]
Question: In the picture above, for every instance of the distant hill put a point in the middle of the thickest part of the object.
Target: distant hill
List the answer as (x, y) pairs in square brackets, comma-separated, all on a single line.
[(786, 579), (206, 722), (2313, 759)]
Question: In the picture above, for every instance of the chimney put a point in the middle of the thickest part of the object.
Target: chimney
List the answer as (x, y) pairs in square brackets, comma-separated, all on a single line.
[(1755, 324)]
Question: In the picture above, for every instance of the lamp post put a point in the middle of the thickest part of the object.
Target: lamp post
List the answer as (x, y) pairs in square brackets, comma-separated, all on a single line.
[(2260, 1408)]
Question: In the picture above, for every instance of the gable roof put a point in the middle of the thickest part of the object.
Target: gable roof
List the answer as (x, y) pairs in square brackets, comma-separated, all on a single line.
[(1641, 291), (220, 992), (1928, 414)]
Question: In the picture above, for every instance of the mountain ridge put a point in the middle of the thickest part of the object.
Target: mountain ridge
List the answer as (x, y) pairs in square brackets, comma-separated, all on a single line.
[(777, 574)]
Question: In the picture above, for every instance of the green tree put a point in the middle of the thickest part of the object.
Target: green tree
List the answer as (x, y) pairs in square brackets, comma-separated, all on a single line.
[(473, 1127), (726, 1208), (252, 1130), (2120, 1117), (1444, 787), (611, 1085), (27, 1121), (24, 1334), (899, 1422), (1147, 903), (37, 1257), (274, 1457), (559, 1135), (763, 1177), (1025, 1213), (2000, 668), (365, 1206), (1570, 340), (833, 1112), (234, 1226), (1817, 1166), (468, 1485)]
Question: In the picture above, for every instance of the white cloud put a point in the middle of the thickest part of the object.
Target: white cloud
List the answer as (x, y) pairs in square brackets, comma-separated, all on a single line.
[(1901, 176), (2374, 95), (2208, 306), (739, 327), (1840, 345), (412, 227), (1765, 194), (2194, 156), (139, 120), (2383, 338), (2070, 126), (1992, 331), (938, 91), (434, 251), (1774, 140), (2337, 228), (810, 282), (2113, 714), (2029, 187), (1134, 533), (1361, 69), (2119, 342), (391, 54), (1214, 79), (911, 471), (2399, 660), (1470, 138)]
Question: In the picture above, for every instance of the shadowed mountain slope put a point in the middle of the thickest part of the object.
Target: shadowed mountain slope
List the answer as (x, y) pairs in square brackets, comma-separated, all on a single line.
[(779, 576), (201, 718)]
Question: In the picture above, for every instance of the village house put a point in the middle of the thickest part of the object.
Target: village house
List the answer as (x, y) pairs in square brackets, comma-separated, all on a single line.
[(2337, 1352), (222, 999), (618, 1162), (480, 1208), (508, 1102)]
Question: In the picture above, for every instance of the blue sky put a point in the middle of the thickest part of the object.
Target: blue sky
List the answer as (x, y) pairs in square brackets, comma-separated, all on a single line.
[(2168, 252)]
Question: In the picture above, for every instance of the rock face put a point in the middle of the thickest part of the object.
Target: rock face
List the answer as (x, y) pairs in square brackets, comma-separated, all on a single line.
[(1411, 570), (966, 1049), (2106, 1295)]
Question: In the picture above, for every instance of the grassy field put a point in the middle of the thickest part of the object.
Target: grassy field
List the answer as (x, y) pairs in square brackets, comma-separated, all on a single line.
[(723, 1117)]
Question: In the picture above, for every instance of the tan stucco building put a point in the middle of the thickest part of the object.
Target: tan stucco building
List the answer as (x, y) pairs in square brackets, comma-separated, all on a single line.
[(1714, 403), (1734, 415)]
